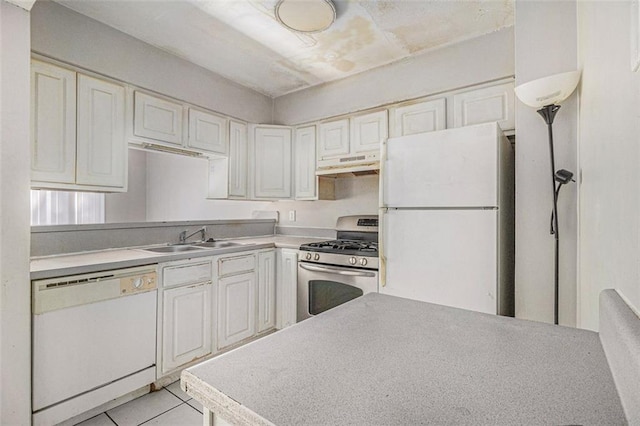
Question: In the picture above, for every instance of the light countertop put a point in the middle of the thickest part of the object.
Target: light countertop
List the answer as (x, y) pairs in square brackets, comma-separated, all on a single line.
[(385, 360), (87, 262)]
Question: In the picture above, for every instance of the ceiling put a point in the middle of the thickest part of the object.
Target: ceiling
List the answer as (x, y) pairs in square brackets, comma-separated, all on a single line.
[(242, 40)]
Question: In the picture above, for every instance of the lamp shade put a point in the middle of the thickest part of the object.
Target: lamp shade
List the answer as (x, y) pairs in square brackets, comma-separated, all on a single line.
[(306, 16), (548, 90)]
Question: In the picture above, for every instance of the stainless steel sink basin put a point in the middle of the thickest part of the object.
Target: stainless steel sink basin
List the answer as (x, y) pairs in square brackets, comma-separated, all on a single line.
[(216, 244), (172, 249)]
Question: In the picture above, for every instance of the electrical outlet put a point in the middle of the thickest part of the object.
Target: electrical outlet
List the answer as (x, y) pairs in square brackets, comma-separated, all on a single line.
[(292, 215)]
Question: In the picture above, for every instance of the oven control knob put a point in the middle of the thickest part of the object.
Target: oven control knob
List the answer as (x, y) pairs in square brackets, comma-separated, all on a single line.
[(308, 256), (316, 256), (353, 260), (363, 261), (137, 282)]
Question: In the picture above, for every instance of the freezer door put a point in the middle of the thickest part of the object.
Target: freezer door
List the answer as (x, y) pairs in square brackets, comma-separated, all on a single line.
[(447, 257), (450, 168)]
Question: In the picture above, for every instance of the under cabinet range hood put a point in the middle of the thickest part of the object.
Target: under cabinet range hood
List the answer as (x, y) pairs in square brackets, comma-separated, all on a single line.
[(365, 163)]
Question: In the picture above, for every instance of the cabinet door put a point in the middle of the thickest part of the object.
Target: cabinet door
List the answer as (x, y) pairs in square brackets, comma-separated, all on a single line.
[(368, 131), (236, 308), (53, 123), (101, 146), (421, 117), (208, 132), (333, 140), (158, 119), (186, 325), (495, 103), (237, 159), (305, 163), (272, 162), (266, 290), (287, 290)]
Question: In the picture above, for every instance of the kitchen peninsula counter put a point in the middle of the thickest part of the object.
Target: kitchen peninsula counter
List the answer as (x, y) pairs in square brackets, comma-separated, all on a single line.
[(385, 360)]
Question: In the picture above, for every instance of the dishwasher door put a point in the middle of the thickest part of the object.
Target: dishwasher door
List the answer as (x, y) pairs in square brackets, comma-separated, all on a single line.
[(90, 331)]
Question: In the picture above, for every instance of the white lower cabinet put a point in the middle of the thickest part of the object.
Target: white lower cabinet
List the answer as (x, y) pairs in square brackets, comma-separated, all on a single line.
[(287, 287), (266, 290), (185, 314), (236, 308), (187, 326)]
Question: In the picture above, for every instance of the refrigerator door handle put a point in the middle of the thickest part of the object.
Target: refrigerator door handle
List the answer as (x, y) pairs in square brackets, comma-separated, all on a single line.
[(382, 210), (382, 269)]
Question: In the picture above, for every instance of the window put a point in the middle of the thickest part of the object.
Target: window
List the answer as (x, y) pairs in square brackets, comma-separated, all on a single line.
[(66, 208)]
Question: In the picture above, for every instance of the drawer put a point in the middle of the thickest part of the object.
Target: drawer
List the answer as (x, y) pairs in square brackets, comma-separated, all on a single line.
[(235, 265), (186, 274)]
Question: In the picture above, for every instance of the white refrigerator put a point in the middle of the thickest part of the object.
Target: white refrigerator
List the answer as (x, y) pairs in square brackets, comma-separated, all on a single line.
[(447, 218)]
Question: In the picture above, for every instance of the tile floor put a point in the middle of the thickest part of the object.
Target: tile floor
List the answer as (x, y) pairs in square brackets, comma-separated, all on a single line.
[(168, 406)]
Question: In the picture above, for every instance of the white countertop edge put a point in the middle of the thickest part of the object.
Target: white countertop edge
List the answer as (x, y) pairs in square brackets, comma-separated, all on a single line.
[(220, 404)]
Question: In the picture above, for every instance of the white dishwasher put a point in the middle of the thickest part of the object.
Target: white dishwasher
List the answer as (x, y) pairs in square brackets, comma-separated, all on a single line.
[(94, 339)]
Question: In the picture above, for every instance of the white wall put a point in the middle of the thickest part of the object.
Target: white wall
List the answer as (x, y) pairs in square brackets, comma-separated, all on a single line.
[(609, 153), (15, 291), (354, 195), (474, 61), (130, 206), (65, 35), (546, 44), (177, 190)]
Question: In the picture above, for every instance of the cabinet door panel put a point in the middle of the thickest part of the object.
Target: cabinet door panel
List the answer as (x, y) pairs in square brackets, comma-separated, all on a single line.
[(208, 132), (101, 145), (495, 103), (287, 290), (334, 139), (421, 117), (157, 119), (305, 163), (266, 290), (53, 123), (236, 308), (368, 131), (272, 162), (238, 159), (186, 325)]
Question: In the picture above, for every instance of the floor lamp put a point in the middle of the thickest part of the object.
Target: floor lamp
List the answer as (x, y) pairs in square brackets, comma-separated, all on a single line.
[(545, 94)]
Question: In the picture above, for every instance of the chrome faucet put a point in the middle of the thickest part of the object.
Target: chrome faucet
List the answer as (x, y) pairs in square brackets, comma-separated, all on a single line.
[(183, 235)]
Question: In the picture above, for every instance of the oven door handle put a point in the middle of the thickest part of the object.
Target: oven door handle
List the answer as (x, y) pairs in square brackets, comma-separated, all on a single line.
[(339, 271)]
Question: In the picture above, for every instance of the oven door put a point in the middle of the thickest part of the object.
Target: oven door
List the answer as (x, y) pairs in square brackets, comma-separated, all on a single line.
[(322, 287)]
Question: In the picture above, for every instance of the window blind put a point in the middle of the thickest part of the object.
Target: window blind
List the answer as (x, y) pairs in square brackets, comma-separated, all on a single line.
[(66, 208)]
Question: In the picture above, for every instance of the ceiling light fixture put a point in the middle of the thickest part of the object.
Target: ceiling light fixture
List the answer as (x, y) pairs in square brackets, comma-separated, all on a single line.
[(306, 16)]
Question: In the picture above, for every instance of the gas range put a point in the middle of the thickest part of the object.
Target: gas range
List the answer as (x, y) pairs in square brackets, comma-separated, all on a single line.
[(356, 246)]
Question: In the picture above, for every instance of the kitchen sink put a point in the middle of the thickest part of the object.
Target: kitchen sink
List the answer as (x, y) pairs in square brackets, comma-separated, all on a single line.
[(173, 249), (216, 244)]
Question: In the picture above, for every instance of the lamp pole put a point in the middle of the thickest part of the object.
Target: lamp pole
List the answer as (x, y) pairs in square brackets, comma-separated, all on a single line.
[(548, 113)]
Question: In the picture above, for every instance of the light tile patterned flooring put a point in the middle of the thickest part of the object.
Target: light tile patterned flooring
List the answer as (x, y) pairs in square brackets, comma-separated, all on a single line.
[(169, 406)]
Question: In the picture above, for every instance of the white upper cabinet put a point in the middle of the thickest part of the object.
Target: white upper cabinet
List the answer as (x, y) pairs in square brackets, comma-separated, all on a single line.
[(484, 105), (157, 118), (334, 139), (101, 146), (53, 123), (77, 131), (271, 166), (421, 117), (368, 131), (208, 132), (305, 163), (238, 159)]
